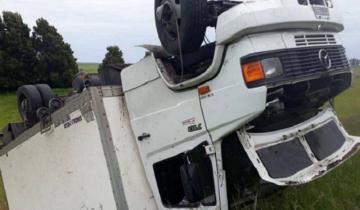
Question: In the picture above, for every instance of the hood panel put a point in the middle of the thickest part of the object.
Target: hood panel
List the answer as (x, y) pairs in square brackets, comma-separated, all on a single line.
[(302, 153)]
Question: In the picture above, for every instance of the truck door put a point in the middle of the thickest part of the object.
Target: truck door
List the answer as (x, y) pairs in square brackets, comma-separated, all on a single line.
[(172, 139)]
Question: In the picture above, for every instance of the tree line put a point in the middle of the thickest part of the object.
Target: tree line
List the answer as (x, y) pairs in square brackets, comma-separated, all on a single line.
[(354, 62), (33, 56)]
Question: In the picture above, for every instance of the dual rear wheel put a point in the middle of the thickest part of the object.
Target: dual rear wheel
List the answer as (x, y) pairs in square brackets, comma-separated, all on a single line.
[(31, 99)]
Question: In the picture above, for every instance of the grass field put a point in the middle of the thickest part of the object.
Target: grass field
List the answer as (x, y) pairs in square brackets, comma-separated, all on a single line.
[(339, 190), (89, 67)]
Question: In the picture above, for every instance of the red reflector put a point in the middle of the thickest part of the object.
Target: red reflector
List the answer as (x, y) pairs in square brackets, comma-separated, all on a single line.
[(204, 90)]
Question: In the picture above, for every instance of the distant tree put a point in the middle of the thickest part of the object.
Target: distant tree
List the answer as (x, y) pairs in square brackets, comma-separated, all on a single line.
[(114, 56), (43, 57), (354, 62), (55, 63), (17, 57)]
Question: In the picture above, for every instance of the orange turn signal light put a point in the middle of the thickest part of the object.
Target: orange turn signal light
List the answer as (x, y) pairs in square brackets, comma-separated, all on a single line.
[(204, 90), (253, 72)]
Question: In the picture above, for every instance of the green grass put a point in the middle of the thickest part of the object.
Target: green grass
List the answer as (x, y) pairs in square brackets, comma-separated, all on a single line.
[(339, 190), (8, 109), (348, 106), (89, 67)]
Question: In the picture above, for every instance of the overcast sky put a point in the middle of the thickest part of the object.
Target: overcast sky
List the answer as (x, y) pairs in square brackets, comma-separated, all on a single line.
[(92, 25)]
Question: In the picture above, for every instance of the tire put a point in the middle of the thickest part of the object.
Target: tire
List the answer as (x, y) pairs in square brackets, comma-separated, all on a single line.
[(28, 101), (192, 25), (46, 93)]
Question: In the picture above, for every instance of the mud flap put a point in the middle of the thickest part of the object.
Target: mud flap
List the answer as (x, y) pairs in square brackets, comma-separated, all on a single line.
[(302, 153)]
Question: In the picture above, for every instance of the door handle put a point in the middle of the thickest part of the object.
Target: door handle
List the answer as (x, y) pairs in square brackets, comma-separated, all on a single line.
[(144, 136)]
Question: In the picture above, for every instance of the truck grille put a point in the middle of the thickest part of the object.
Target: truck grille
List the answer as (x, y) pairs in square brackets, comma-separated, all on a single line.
[(306, 60), (315, 39), (302, 62)]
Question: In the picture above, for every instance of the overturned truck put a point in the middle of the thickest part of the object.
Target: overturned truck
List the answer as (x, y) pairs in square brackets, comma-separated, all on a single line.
[(192, 125)]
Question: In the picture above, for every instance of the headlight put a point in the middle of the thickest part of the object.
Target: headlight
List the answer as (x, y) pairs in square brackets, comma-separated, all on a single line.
[(272, 67), (259, 70)]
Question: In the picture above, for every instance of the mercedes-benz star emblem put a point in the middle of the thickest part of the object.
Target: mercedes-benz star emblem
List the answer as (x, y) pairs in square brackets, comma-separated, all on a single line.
[(325, 59)]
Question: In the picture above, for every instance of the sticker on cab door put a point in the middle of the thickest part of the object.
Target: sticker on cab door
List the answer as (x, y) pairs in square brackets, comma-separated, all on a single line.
[(190, 121), (192, 125), (194, 128)]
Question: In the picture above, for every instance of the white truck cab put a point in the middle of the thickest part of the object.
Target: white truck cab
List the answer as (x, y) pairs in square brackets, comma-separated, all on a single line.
[(276, 63), (201, 129)]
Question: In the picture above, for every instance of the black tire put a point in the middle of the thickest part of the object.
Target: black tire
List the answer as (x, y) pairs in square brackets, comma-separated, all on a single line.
[(29, 100), (46, 93), (192, 25)]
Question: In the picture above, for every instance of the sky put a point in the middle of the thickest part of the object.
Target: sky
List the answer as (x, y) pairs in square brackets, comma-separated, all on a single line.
[(89, 26)]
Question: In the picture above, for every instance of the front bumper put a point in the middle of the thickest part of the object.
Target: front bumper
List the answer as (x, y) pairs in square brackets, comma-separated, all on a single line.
[(253, 17), (302, 153)]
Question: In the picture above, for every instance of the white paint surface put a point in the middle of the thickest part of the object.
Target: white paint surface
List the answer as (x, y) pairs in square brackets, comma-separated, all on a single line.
[(64, 169), (137, 190), (262, 16)]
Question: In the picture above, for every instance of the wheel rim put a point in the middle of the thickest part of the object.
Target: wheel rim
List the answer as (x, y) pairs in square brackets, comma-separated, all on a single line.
[(55, 104), (25, 108), (42, 113)]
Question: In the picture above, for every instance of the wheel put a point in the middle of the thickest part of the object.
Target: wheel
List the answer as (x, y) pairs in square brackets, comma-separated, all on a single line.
[(29, 100), (55, 104), (191, 17), (46, 93)]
